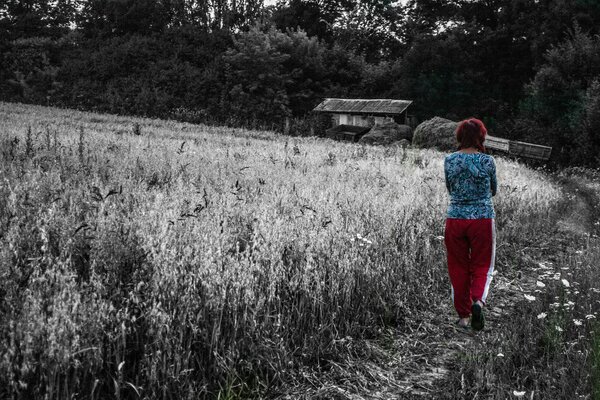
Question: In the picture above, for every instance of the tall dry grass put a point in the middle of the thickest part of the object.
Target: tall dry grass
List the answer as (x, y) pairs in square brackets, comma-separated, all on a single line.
[(154, 259)]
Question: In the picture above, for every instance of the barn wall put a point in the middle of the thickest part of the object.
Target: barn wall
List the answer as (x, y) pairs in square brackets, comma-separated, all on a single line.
[(406, 119), (380, 119), (360, 120)]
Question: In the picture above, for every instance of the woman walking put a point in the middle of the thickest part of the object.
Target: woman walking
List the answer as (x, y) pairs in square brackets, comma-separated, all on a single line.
[(470, 236)]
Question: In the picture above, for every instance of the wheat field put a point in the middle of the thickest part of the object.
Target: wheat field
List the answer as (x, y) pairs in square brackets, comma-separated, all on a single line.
[(157, 259)]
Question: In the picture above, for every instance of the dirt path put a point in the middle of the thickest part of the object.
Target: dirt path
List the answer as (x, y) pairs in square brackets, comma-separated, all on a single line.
[(413, 364)]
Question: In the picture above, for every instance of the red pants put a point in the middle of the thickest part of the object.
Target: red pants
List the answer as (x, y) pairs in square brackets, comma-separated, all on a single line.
[(471, 249)]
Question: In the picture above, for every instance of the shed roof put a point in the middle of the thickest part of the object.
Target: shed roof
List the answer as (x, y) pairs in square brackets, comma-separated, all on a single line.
[(363, 106)]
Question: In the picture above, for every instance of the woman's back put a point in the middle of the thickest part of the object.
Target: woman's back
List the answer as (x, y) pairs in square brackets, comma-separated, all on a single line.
[(471, 182)]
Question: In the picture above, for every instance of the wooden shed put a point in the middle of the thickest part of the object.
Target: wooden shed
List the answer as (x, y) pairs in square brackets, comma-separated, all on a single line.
[(365, 112)]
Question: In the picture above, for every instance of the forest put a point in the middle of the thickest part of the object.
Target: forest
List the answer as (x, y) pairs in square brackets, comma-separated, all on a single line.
[(529, 69)]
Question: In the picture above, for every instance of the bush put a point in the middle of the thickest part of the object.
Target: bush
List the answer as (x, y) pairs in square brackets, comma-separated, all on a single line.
[(562, 98), (32, 67)]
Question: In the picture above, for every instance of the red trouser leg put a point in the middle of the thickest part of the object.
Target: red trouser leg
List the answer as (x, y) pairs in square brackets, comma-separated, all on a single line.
[(457, 250), (482, 236), (470, 247)]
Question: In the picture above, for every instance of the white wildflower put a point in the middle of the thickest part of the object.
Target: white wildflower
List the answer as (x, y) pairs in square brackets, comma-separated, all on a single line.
[(542, 315), (577, 322), (558, 328), (519, 394)]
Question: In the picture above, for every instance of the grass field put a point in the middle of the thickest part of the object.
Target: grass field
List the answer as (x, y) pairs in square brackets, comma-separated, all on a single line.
[(155, 259)]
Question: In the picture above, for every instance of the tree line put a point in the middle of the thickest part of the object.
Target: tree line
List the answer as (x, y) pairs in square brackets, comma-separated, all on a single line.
[(529, 69)]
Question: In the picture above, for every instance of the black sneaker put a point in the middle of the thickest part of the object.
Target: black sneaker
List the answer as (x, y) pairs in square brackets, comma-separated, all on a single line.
[(477, 319)]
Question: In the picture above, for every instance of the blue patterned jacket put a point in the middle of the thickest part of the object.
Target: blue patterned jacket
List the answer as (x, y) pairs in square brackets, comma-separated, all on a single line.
[(471, 182)]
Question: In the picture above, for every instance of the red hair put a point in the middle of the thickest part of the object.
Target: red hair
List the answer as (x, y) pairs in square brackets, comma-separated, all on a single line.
[(471, 133)]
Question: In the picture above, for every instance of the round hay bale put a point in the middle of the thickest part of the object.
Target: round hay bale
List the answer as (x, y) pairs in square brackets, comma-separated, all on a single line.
[(437, 132), (386, 133)]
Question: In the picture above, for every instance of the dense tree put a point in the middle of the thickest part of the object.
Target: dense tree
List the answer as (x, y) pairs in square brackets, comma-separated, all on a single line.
[(561, 107), (371, 28), (315, 17), (255, 79), (308, 73), (148, 75), (107, 17), (113, 18), (28, 18)]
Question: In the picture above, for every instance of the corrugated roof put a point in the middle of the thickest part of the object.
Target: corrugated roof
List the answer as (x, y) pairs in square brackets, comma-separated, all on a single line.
[(363, 106)]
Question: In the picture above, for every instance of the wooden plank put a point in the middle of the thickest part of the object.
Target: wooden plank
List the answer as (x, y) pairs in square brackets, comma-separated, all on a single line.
[(496, 143), (529, 150), (519, 149)]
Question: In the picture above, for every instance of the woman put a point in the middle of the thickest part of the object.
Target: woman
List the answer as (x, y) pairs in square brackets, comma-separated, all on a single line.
[(470, 232)]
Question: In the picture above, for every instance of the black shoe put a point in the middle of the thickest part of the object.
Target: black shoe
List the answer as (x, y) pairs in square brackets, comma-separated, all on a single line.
[(477, 319)]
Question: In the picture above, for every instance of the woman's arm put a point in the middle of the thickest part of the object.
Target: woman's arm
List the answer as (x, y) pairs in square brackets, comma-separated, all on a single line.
[(493, 180), (446, 174)]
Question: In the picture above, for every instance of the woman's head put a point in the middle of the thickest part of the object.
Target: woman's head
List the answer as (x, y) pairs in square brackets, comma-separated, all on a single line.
[(471, 133)]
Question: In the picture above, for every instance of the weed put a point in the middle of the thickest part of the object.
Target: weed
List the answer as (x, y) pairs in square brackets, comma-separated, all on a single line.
[(29, 142), (137, 129), (81, 146)]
